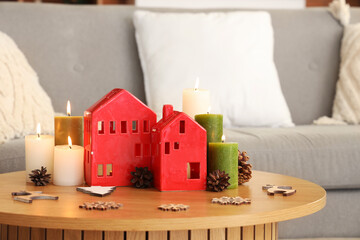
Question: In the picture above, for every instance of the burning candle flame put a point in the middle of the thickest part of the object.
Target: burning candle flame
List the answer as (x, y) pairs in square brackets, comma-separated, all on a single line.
[(68, 108), (223, 138), (197, 84), (38, 130), (69, 142)]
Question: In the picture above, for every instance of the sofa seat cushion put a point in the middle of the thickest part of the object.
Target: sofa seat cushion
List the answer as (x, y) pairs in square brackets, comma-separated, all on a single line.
[(326, 155), (12, 156)]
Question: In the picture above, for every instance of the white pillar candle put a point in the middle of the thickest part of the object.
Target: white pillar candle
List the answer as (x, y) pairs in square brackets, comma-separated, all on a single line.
[(195, 101), (39, 151), (68, 165)]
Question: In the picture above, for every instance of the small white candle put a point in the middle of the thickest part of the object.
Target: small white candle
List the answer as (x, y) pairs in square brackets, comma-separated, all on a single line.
[(39, 151), (195, 101), (68, 165)]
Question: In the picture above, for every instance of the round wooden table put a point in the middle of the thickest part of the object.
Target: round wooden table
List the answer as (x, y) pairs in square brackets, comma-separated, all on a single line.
[(140, 219)]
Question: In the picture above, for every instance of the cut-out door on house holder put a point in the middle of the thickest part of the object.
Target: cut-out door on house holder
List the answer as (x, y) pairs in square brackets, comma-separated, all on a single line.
[(193, 170)]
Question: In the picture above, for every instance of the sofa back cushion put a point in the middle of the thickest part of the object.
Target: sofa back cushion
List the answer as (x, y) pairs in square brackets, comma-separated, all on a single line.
[(225, 50), (82, 52), (79, 52)]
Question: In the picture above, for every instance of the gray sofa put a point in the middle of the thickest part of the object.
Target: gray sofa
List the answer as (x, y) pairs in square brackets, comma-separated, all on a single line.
[(82, 52)]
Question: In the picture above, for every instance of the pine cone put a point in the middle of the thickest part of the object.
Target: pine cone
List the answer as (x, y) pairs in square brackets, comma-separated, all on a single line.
[(39, 177), (142, 177), (244, 169), (218, 181)]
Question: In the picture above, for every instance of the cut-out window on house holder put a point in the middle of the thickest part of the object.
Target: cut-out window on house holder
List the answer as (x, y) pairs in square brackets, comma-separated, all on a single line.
[(137, 150), (101, 129), (146, 150), (88, 156), (176, 145), (193, 170), (100, 170), (112, 127), (167, 148), (182, 126), (134, 126), (109, 170), (88, 126), (146, 126), (123, 127)]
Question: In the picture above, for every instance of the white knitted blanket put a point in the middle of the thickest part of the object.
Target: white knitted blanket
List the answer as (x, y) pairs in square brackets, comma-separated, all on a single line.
[(347, 99), (23, 102), (346, 107)]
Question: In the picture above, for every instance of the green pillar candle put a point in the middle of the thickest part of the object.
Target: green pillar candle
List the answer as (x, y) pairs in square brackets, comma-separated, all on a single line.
[(224, 156), (213, 124)]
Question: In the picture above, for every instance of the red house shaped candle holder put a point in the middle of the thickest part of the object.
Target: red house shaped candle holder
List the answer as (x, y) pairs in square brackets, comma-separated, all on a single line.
[(117, 138), (179, 152)]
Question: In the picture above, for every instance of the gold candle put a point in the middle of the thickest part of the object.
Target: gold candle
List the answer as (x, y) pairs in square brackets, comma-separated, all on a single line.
[(69, 126)]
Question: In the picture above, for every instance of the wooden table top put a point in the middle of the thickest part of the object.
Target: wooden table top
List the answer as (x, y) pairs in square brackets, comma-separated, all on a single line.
[(140, 212)]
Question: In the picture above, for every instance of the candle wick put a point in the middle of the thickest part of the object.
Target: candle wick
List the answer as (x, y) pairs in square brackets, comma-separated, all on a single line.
[(196, 89), (222, 141), (208, 112), (38, 135), (69, 114), (70, 147)]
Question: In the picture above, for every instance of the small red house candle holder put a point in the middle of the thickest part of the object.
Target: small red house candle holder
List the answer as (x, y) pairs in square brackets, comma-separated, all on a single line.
[(179, 152), (117, 138)]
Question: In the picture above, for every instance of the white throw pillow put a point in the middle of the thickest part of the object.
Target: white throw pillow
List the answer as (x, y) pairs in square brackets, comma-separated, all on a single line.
[(347, 98), (231, 53), (23, 102)]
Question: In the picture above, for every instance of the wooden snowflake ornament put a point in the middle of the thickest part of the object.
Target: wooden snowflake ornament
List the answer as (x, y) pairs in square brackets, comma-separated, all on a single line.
[(100, 205), (29, 196), (174, 207), (231, 200), (284, 190)]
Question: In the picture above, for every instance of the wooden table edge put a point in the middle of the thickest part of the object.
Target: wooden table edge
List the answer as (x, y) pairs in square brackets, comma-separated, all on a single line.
[(160, 224), (163, 224)]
